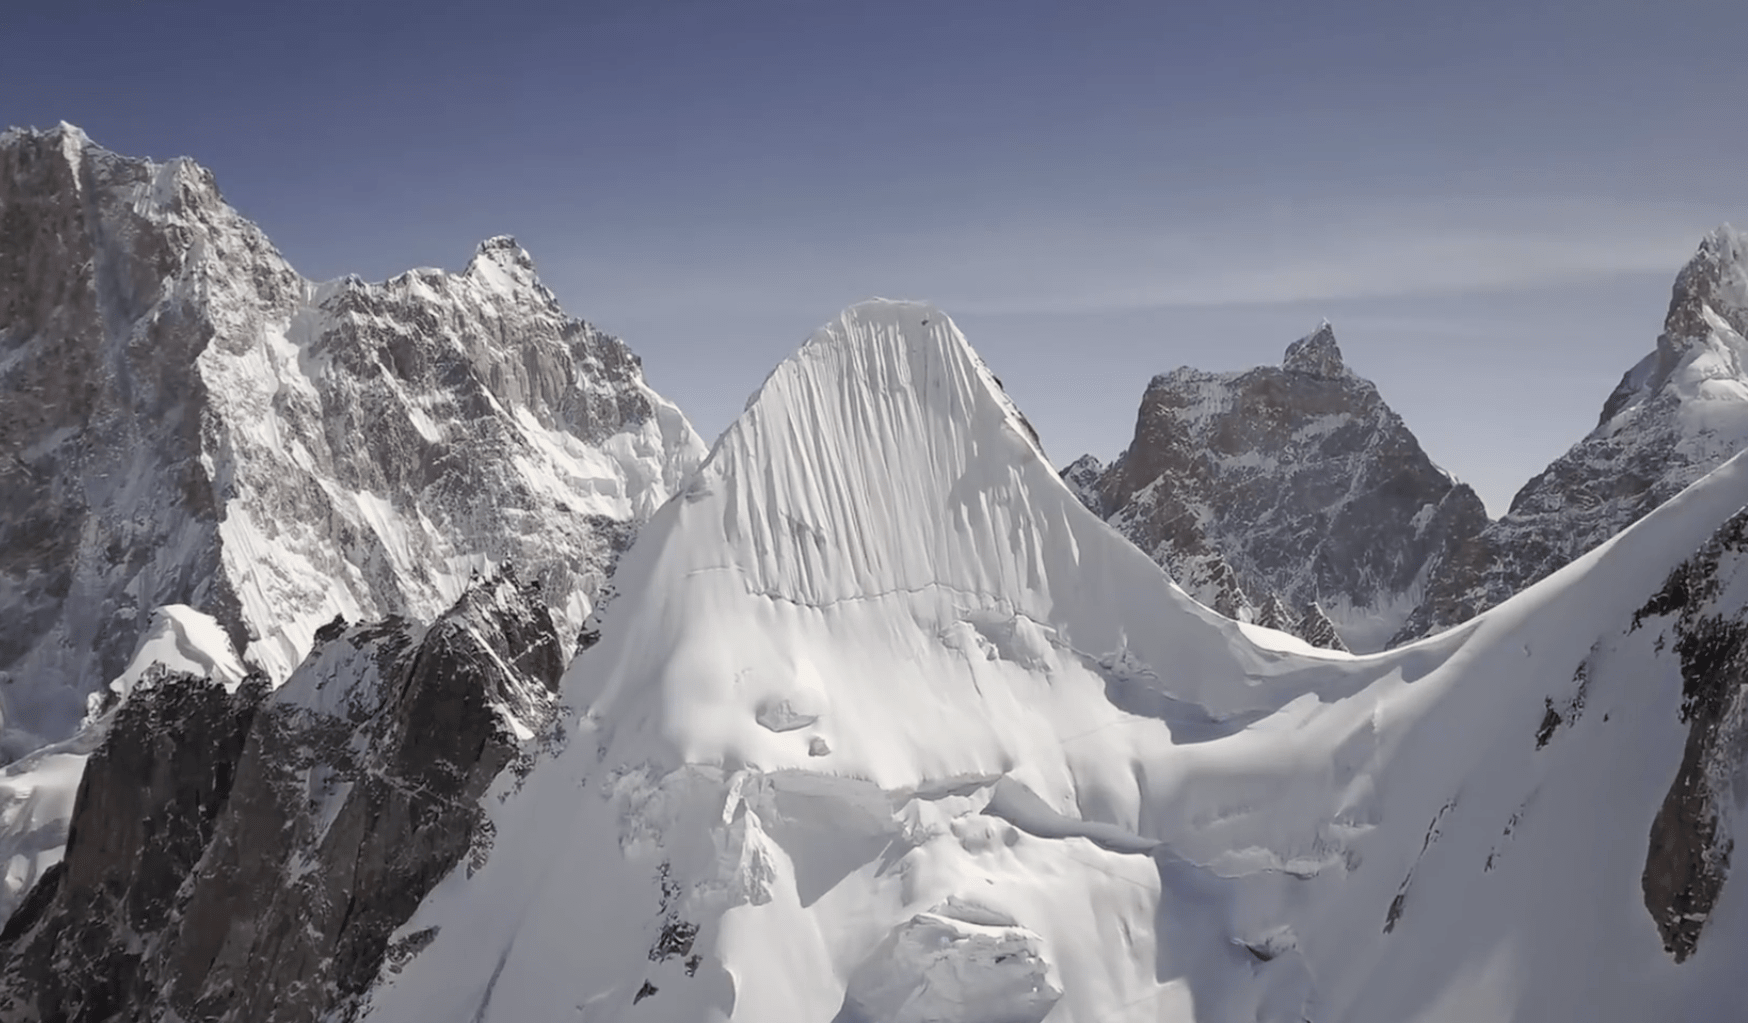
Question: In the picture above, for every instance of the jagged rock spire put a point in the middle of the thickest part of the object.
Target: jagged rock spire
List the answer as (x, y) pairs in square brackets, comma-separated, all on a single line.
[(1082, 476), (1316, 629), (1315, 354), (1715, 279), (1274, 614)]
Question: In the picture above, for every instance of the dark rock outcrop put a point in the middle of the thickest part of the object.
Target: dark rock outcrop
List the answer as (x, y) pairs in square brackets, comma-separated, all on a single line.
[(1316, 629), (289, 842), (1688, 856), (79, 947)]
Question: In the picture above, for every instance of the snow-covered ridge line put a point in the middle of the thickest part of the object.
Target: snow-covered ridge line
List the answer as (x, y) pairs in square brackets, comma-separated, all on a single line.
[(1676, 415)]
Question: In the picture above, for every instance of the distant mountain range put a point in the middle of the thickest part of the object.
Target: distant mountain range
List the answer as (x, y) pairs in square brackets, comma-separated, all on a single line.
[(1280, 495), (391, 652)]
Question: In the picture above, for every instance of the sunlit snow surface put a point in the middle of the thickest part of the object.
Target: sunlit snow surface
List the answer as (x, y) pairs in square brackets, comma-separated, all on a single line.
[(885, 726)]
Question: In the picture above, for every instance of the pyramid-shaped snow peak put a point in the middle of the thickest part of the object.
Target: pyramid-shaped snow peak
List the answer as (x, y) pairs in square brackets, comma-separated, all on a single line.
[(882, 475), (884, 725), (883, 456), (873, 612)]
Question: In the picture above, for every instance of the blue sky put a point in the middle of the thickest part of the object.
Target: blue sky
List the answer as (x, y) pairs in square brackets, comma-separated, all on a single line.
[(1489, 201)]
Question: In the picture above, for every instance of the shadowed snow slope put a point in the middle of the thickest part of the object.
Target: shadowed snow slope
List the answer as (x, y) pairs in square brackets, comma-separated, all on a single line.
[(885, 726)]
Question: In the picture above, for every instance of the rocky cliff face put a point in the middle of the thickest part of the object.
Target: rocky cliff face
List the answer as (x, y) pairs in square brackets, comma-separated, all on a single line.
[(186, 420), (1294, 483), (79, 946), (1677, 415), (1300, 483), (281, 840), (1699, 617)]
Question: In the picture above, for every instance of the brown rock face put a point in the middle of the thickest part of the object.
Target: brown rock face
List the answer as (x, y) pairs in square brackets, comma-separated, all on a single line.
[(1296, 482), (263, 878)]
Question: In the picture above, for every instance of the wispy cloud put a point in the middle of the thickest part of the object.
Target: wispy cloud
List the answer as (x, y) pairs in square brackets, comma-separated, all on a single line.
[(1178, 258), (1333, 255)]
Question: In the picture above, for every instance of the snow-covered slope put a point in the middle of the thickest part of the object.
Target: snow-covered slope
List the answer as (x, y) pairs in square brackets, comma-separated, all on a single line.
[(1293, 485), (186, 420), (1675, 416), (884, 725)]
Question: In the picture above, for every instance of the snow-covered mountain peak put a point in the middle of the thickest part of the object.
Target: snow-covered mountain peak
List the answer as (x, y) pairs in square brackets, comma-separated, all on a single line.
[(885, 409), (1676, 415), (196, 423), (500, 252), (880, 474), (882, 719), (1712, 286), (1316, 354), (1296, 481), (501, 263), (1702, 347), (64, 133), (160, 190), (73, 142)]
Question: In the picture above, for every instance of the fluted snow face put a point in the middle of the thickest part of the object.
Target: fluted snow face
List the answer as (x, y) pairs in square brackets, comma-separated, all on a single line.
[(923, 425), (187, 420)]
